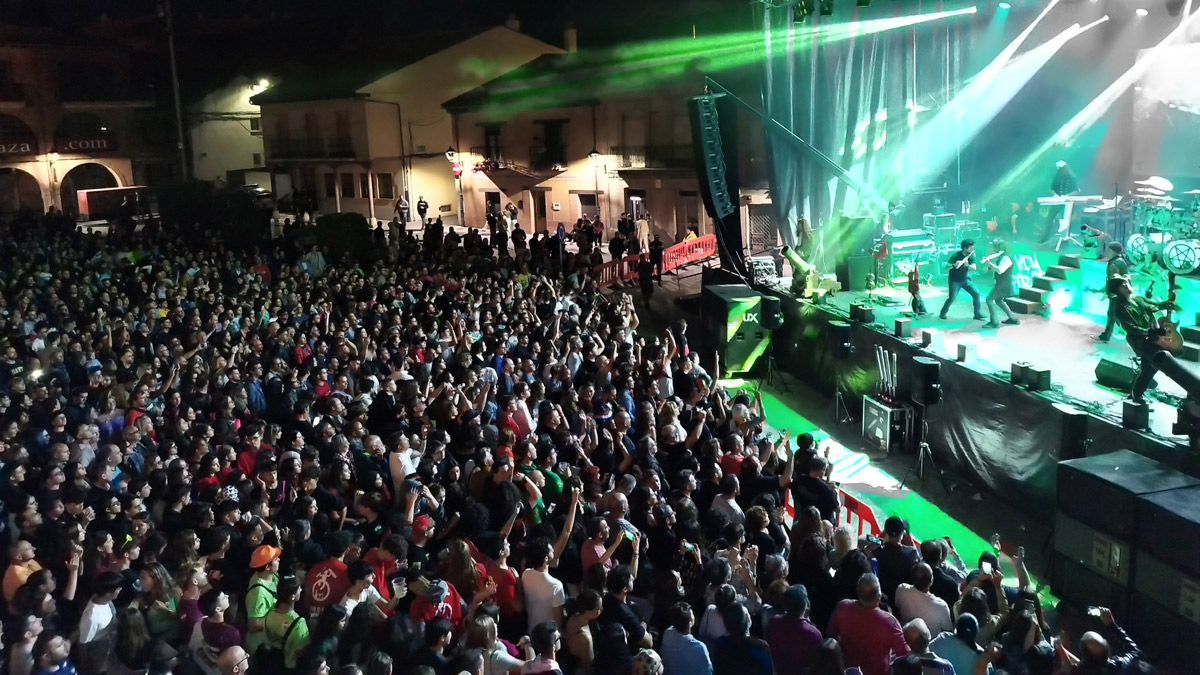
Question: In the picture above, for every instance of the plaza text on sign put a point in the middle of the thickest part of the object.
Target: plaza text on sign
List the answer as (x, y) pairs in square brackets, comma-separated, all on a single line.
[(20, 148), (88, 145)]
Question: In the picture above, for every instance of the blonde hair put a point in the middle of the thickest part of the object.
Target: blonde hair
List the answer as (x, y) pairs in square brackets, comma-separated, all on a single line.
[(482, 632)]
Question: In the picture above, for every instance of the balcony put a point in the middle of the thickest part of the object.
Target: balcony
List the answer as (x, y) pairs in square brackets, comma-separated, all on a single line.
[(660, 157), (311, 148), (552, 159)]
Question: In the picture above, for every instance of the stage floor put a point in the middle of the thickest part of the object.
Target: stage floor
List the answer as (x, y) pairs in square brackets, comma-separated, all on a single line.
[(1061, 339)]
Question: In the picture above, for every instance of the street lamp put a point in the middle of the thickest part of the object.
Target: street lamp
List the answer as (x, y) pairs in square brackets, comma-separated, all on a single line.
[(451, 154)]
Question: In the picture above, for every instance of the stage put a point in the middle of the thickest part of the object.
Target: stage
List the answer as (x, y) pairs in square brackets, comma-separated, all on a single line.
[(1004, 436)]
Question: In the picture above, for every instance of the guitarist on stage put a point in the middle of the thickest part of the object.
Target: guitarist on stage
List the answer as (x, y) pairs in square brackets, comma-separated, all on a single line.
[(1143, 330), (960, 278)]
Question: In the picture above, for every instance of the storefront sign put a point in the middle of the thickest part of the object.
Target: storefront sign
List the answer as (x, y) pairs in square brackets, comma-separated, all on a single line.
[(17, 149), (87, 145)]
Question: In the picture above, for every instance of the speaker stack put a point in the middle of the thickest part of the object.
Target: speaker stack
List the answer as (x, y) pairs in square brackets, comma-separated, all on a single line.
[(1127, 537)]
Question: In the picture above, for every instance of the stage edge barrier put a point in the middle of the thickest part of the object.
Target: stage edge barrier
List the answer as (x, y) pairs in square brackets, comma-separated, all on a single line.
[(680, 255)]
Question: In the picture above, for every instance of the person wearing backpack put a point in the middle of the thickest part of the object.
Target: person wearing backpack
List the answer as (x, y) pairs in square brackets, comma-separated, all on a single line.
[(261, 597), (285, 630)]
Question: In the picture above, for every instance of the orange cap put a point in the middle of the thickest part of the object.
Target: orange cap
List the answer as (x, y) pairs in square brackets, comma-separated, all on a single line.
[(264, 555)]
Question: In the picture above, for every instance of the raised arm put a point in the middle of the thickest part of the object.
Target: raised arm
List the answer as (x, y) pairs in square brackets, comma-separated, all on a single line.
[(565, 536)]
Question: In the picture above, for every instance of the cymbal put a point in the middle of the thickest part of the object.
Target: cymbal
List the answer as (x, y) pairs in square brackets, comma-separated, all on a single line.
[(1151, 191), (1157, 182)]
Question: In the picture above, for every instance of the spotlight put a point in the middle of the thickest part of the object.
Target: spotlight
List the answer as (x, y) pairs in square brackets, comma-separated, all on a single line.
[(1141, 12), (1005, 5)]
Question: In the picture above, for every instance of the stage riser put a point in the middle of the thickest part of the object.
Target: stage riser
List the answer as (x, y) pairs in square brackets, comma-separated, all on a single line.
[(986, 429)]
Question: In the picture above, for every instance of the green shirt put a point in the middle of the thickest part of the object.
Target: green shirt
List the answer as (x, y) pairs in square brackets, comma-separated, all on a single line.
[(277, 625), (260, 600)]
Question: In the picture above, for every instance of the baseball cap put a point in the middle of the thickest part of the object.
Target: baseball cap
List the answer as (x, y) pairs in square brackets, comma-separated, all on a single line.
[(264, 555)]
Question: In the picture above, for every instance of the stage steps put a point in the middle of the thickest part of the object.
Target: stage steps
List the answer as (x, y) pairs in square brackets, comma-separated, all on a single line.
[(1023, 306), (1032, 294), (1190, 352), (1044, 282), (1058, 272), (1070, 260)]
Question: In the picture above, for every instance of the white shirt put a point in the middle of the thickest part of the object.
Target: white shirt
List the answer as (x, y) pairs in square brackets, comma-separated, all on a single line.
[(914, 603), (544, 596), (497, 661), (370, 596), (95, 621)]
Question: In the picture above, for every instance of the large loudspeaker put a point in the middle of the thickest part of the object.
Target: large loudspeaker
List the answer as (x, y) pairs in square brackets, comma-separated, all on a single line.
[(1169, 528), (926, 380), (733, 316), (853, 271), (772, 312), (1116, 375), (1102, 491), (714, 137)]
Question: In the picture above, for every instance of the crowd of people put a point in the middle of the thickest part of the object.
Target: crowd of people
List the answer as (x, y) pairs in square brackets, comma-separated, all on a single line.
[(443, 459)]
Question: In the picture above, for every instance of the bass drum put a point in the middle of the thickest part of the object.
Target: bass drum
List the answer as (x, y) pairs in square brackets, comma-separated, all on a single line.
[(1182, 256), (1140, 249)]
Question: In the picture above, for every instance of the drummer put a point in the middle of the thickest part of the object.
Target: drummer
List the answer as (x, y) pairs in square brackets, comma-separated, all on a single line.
[(1118, 266)]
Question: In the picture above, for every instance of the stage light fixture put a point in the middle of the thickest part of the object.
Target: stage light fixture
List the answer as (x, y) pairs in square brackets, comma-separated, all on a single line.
[(1005, 5), (1142, 12)]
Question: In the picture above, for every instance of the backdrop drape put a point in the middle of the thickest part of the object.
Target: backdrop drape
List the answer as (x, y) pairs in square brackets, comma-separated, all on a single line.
[(854, 99)]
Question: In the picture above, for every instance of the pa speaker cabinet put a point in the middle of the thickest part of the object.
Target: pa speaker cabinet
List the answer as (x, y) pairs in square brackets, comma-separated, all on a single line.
[(1100, 553), (1082, 587), (733, 314), (1073, 434), (1169, 528), (1165, 637), (1101, 491), (1169, 586), (926, 380), (853, 272)]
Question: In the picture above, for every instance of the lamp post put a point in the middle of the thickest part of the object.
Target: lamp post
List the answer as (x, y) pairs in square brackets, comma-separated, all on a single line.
[(456, 166), (164, 11)]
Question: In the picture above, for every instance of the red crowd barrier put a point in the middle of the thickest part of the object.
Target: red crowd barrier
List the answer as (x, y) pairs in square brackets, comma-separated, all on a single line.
[(859, 516), (679, 255)]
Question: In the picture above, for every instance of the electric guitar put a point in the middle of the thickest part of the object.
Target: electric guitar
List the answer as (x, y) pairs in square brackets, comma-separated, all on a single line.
[(914, 278), (1167, 337), (966, 260)]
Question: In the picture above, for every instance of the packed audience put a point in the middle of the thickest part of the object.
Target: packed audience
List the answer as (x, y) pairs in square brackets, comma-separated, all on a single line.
[(441, 458)]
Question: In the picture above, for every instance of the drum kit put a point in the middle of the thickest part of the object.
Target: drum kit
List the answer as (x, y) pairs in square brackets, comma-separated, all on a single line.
[(1168, 232)]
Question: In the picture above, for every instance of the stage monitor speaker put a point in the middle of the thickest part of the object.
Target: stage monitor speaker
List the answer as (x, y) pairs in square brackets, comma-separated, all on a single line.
[(1168, 585), (1117, 375), (1101, 553), (1020, 374), (1102, 490), (1169, 528), (1073, 436), (852, 272), (841, 342), (772, 312), (926, 380)]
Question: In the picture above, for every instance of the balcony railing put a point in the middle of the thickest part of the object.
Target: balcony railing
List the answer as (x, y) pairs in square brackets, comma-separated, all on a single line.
[(654, 157), (311, 148), (489, 155), (543, 158)]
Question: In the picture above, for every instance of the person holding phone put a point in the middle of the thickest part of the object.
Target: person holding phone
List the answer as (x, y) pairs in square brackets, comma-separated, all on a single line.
[(896, 559)]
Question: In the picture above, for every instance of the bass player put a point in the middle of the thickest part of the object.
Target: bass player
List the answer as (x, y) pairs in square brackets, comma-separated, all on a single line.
[(1145, 333)]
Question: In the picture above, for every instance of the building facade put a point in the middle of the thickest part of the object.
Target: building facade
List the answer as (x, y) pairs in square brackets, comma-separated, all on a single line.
[(68, 114), (604, 153), (225, 133), (358, 141)]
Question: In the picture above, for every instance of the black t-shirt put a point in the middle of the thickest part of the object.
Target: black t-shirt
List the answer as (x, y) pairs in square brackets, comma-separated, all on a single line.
[(895, 567), (960, 274), (808, 491)]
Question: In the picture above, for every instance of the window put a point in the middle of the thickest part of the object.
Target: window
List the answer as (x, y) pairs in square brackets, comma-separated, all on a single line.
[(281, 127), (256, 125), (330, 186), (256, 159), (386, 186), (364, 186), (347, 185), (491, 142), (312, 126)]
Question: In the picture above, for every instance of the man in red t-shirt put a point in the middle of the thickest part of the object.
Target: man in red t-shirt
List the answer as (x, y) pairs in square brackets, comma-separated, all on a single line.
[(327, 581)]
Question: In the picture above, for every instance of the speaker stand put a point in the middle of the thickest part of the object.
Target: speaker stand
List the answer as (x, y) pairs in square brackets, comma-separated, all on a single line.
[(840, 409), (924, 457)]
